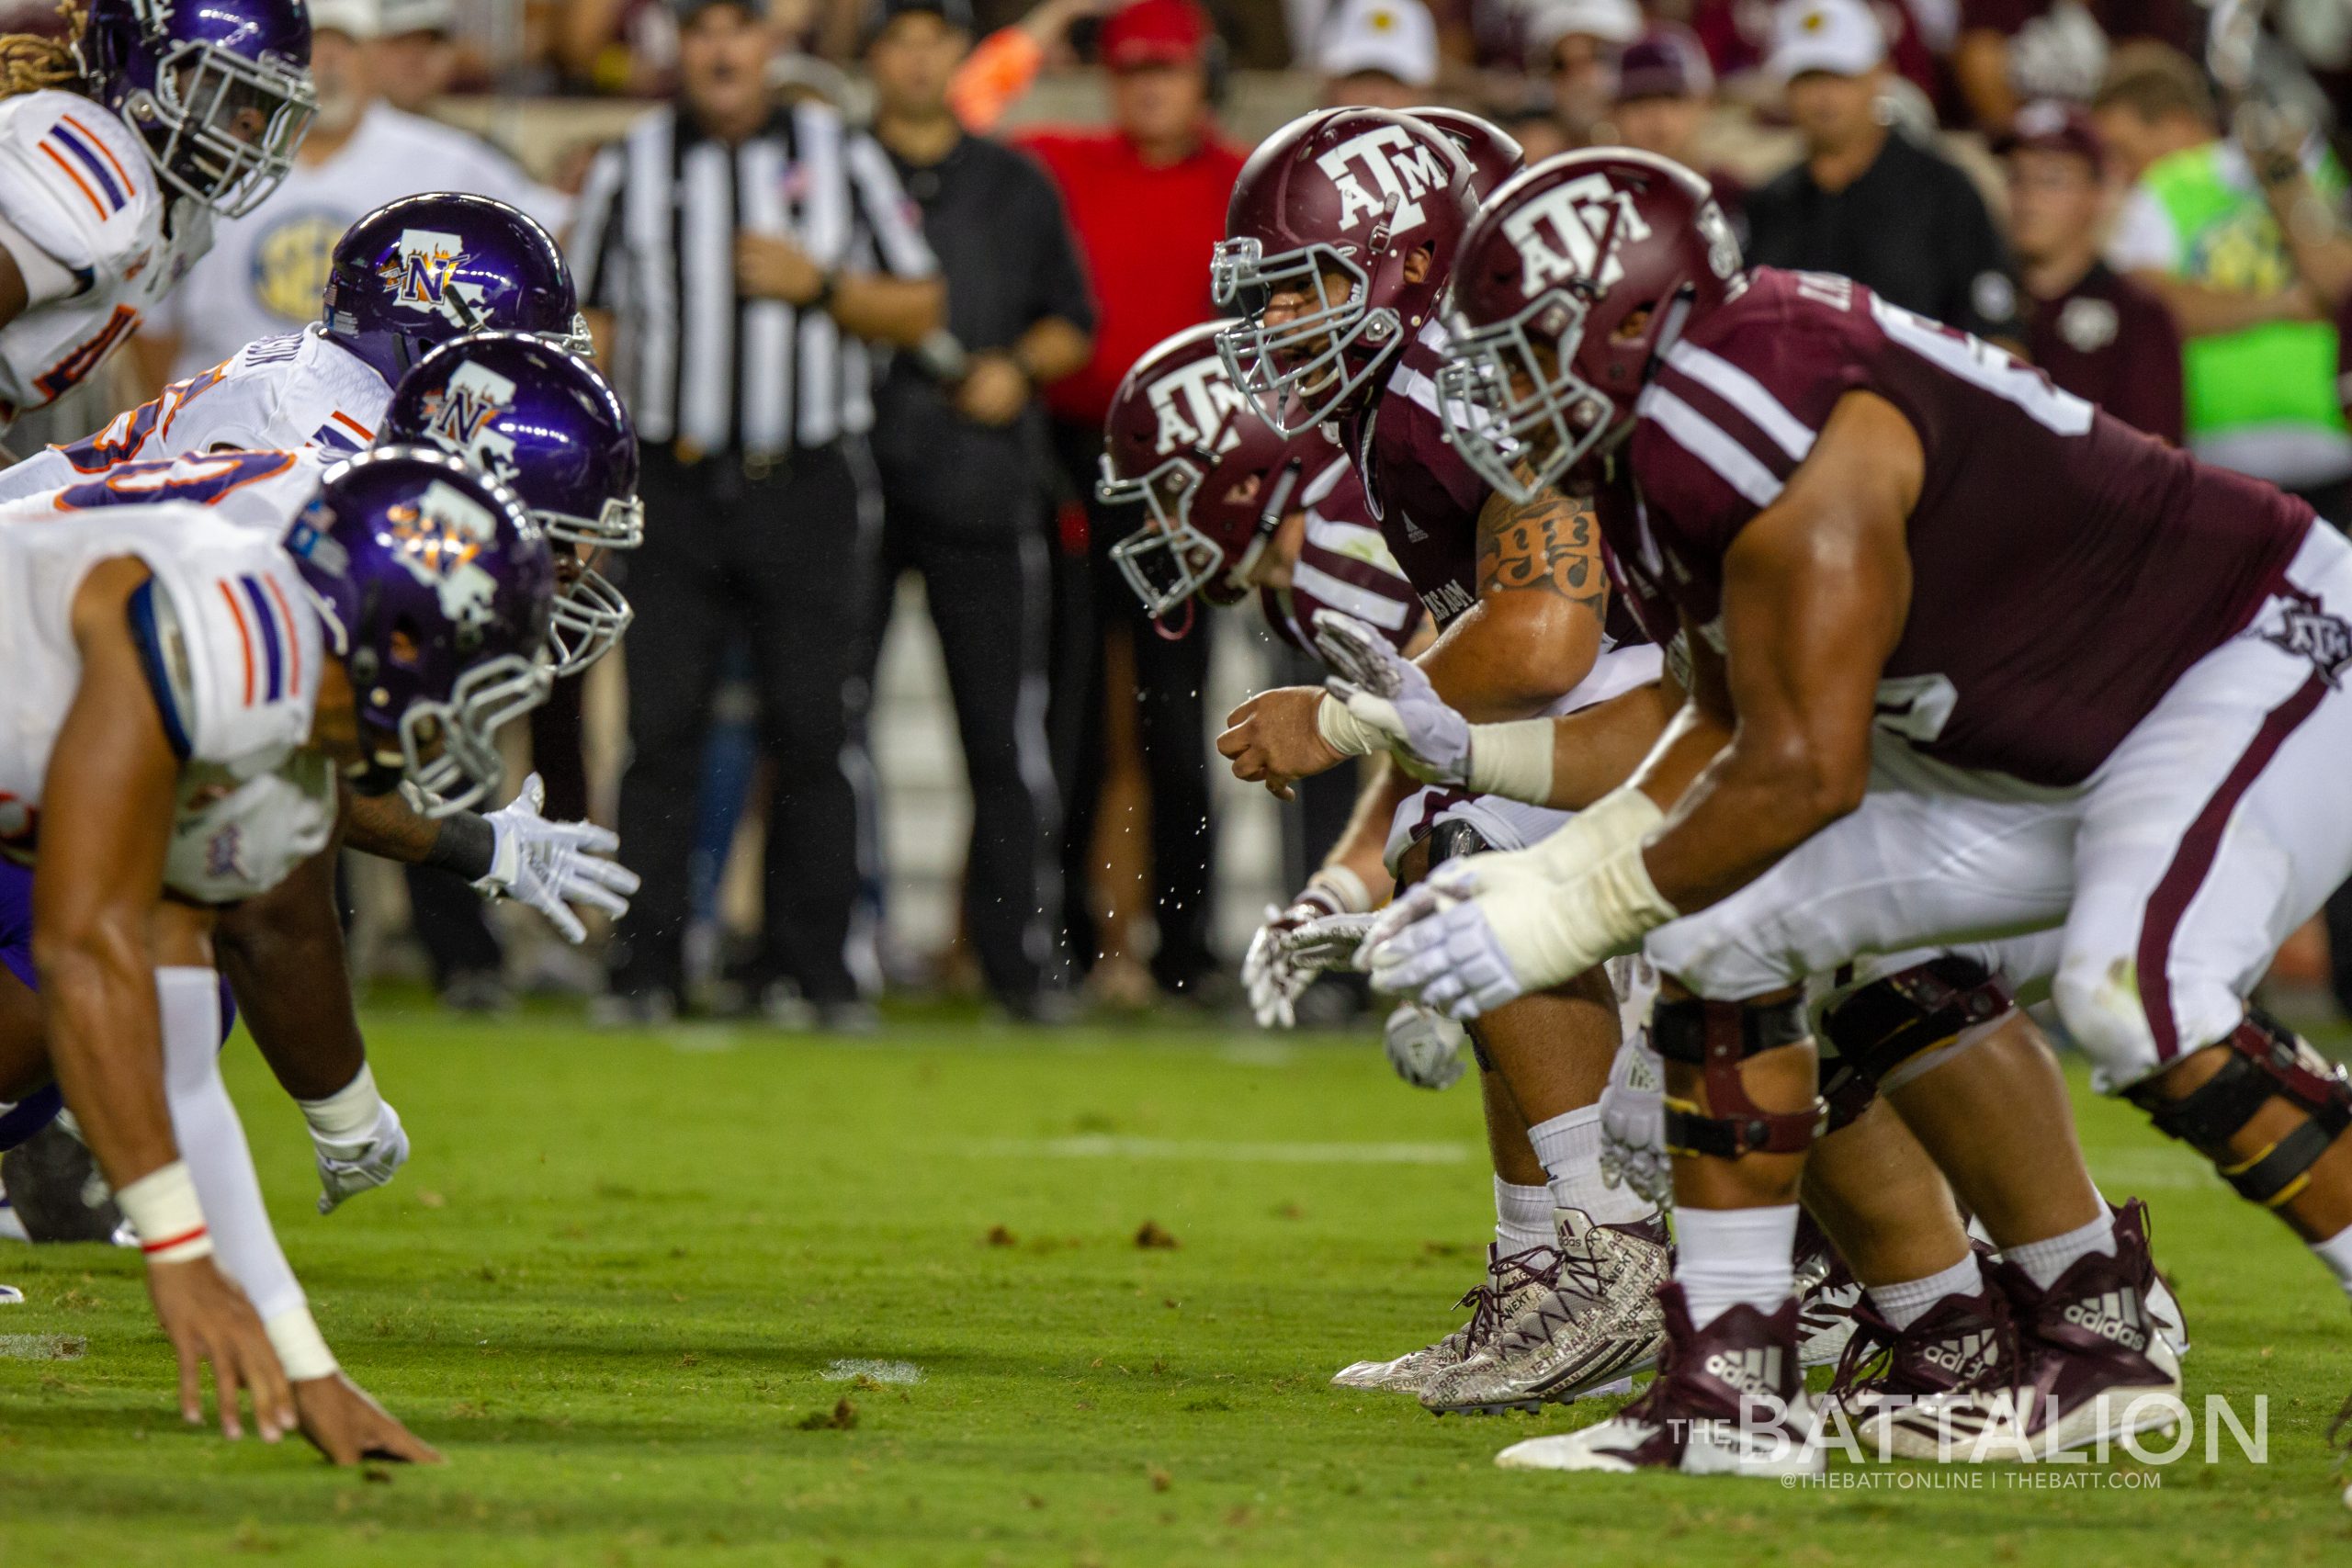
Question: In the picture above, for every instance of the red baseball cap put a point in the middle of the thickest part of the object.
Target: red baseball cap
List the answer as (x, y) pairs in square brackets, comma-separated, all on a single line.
[(1156, 32)]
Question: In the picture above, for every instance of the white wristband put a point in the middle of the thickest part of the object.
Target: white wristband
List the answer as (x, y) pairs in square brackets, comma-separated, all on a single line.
[(162, 1208), (1513, 760), (1344, 732), (301, 1348), (1345, 886)]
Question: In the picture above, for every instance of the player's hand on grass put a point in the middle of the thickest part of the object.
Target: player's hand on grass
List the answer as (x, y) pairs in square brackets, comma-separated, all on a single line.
[(553, 865), (1388, 694), (349, 1169), (207, 1319), (347, 1426)]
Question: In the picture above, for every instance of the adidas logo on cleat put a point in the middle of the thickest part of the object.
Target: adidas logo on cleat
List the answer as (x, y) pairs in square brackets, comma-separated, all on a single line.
[(1756, 1373), (1965, 1356), (2114, 1317)]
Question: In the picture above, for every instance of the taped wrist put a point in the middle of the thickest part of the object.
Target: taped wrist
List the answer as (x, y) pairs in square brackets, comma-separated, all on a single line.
[(1344, 732), (301, 1348), (2265, 1061), (350, 1114), (467, 844), (1513, 760), (162, 1209), (1342, 888), (1716, 1037)]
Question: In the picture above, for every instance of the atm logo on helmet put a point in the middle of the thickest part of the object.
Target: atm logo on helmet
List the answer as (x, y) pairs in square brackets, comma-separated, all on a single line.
[(1402, 171), (1196, 408), (1559, 233)]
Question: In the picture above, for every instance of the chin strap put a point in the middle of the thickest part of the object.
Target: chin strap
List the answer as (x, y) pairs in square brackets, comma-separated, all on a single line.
[(1182, 628)]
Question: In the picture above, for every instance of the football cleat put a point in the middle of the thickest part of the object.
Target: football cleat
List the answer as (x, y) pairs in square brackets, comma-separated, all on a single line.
[(1513, 1284), (1962, 1342), (55, 1189), (2091, 1367), (348, 1168), (1826, 1295), (1728, 1400), (1588, 1334)]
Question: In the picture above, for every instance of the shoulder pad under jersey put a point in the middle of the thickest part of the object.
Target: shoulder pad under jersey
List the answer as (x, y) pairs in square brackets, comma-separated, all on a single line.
[(237, 838), (74, 181), (246, 635)]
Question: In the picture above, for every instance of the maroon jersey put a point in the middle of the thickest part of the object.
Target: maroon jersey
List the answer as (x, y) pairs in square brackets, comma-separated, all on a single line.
[(2066, 569), (2111, 342), (1343, 564), (1426, 498)]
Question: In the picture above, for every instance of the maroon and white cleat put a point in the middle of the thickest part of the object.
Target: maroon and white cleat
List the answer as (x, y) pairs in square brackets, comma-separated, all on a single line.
[(1962, 1342), (1728, 1400), (2092, 1366)]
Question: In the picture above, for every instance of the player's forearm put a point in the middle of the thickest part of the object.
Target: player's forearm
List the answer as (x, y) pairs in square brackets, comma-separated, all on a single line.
[(1735, 805), (1595, 749), (899, 310), (98, 991), (385, 826), (283, 956), (1513, 656), (1363, 847)]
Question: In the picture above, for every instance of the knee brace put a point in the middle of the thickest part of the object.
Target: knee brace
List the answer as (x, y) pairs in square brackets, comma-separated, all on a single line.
[(1716, 1037), (1452, 840), (1902, 1016), (1846, 1090), (2265, 1061)]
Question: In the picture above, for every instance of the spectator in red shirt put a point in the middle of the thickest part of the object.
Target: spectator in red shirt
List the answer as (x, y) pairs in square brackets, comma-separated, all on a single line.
[(1146, 199), (2097, 335)]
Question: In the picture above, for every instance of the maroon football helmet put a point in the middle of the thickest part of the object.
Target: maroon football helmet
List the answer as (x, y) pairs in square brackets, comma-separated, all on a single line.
[(1331, 209), (1214, 478), (1494, 154), (1576, 276)]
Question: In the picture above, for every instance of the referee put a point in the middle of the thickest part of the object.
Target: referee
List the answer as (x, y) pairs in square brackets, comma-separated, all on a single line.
[(741, 258)]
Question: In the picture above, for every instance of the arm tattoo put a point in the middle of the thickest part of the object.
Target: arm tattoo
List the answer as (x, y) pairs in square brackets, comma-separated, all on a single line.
[(1551, 543)]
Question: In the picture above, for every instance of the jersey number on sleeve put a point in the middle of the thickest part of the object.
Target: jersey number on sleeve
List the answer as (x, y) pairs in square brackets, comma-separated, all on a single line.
[(203, 480)]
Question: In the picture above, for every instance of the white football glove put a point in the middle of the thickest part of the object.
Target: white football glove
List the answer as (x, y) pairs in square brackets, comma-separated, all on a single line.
[(347, 1168), (1633, 1123), (1388, 694), (552, 866), (1314, 934), (1424, 1047), (1487, 930)]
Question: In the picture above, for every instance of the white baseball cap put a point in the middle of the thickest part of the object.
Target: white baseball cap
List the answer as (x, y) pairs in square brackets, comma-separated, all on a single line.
[(1617, 22), (1840, 36), (1397, 37), (417, 17), (355, 18)]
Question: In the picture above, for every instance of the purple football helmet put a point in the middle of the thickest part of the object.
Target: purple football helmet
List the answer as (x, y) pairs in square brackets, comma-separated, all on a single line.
[(218, 90), (435, 585), (419, 271), (543, 420)]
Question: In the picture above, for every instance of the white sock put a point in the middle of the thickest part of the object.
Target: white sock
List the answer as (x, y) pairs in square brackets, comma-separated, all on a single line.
[(1730, 1256), (212, 1141), (2043, 1261), (2337, 1253), (1522, 1218), (1905, 1301), (350, 1114), (1570, 1147)]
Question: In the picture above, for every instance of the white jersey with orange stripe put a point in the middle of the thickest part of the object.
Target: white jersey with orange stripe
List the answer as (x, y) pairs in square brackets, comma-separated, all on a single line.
[(235, 650), (302, 390), (264, 489), (99, 241)]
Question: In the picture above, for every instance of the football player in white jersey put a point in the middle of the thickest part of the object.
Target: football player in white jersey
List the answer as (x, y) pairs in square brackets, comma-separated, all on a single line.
[(405, 278), (110, 173), (173, 680)]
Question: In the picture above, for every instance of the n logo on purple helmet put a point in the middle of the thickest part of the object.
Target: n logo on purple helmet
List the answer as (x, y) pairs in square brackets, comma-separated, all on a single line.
[(1402, 170), (441, 538), (457, 418), (424, 274)]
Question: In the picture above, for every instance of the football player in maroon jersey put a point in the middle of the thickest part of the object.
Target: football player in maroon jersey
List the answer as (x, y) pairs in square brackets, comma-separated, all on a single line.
[(1341, 231), (1967, 656)]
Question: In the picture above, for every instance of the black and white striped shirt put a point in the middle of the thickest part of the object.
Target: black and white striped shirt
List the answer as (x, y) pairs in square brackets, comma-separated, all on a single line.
[(653, 243)]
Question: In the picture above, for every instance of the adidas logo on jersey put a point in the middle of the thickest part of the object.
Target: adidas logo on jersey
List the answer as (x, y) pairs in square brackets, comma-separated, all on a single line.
[(1403, 170), (1754, 1373), (2115, 1316), (1559, 235)]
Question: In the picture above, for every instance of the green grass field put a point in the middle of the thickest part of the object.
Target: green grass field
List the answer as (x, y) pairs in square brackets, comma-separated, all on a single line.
[(613, 1280)]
